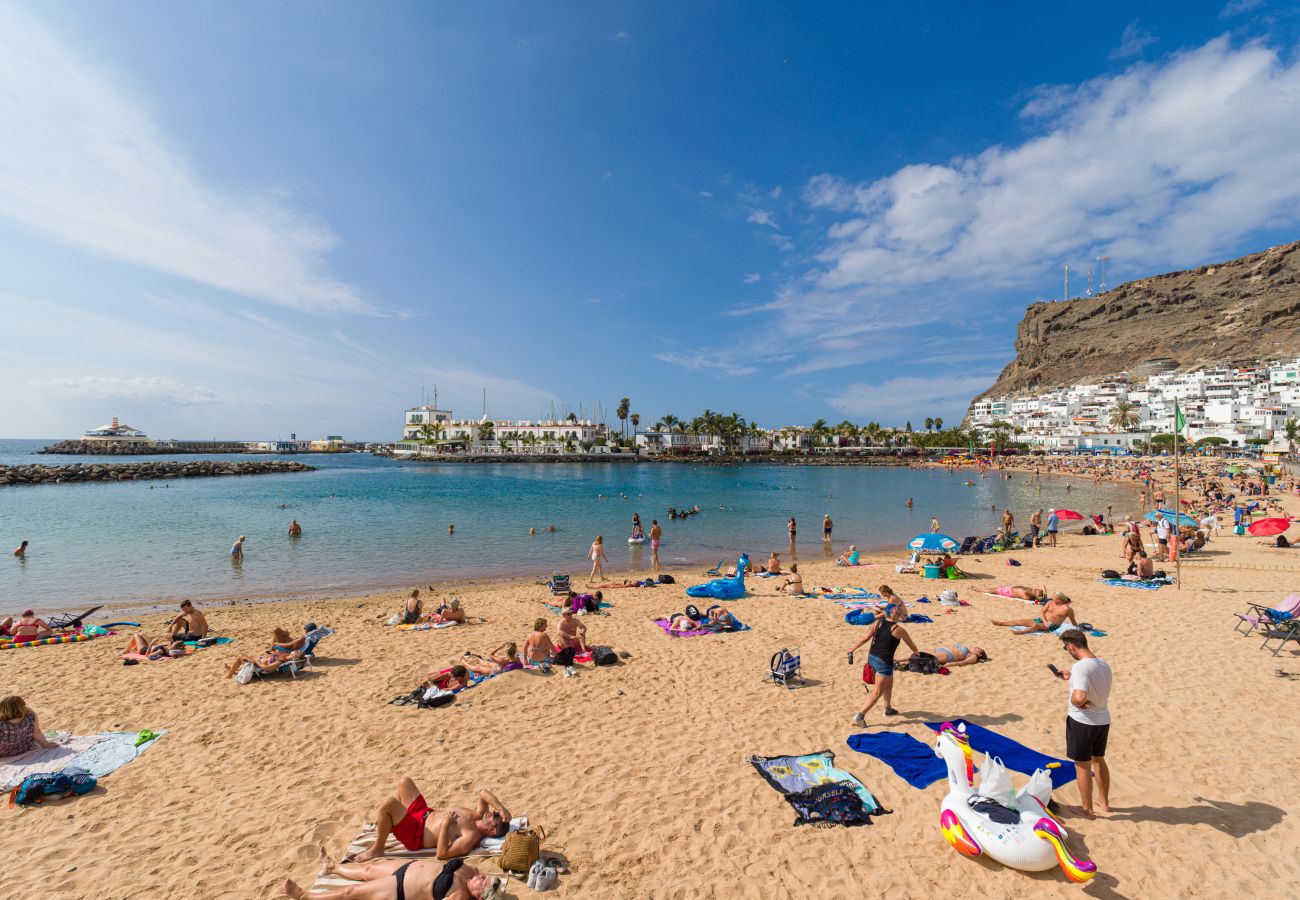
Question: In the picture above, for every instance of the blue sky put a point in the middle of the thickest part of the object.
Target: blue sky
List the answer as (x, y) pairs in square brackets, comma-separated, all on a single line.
[(242, 220)]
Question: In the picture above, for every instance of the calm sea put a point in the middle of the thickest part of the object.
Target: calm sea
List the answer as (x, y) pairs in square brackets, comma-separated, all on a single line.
[(371, 523)]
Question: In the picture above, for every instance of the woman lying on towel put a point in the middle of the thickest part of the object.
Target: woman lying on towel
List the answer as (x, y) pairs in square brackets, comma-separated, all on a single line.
[(503, 659), (142, 645), (268, 662), (396, 880), (958, 655)]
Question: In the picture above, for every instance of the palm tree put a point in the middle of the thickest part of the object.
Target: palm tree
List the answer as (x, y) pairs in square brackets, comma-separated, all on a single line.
[(938, 424), (485, 431), (1292, 433), (571, 417), (624, 406), (671, 423), (636, 420), (427, 432), (929, 423), (1123, 415), (847, 431), (818, 431)]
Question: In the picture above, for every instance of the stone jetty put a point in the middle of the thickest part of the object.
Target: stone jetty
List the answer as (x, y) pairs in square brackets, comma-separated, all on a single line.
[(144, 471)]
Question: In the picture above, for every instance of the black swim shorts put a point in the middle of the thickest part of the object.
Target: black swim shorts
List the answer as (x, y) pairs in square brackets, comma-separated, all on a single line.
[(1083, 741)]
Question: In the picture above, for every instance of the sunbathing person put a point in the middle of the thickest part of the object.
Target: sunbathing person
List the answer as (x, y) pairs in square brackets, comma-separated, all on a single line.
[(1056, 611), (454, 679), (29, 627), (507, 661), (774, 564), (1020, 592), (538, 646), (190, 625), (679, 622), (454, 831), (793, 581), (142, 645), (412, 609), (849, 557), (397, 880), (573, 634), (268, 662), (447, 614), (958, 655), (720, 617)]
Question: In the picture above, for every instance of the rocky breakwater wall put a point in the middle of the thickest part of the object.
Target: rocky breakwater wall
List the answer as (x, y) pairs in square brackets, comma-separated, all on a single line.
[(89, 472), (135, 448)]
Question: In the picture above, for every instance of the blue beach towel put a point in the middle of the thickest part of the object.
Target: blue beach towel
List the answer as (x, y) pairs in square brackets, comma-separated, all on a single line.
[(917, 619), (1141, 585), (860, 617), (911, 760), (859, 595), (1013, 755)]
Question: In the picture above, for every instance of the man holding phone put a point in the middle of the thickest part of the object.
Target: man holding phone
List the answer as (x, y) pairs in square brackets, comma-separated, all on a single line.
[(1087, 725)]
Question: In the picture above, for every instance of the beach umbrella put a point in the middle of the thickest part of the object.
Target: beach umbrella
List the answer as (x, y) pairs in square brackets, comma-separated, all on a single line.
[(933, 542), (1269, 527), (1232, 470), (1069, 515), (1182, 518)]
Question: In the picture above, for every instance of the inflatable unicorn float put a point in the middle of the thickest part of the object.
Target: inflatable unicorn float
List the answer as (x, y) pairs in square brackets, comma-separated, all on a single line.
[(723, 588), (1021, 834)]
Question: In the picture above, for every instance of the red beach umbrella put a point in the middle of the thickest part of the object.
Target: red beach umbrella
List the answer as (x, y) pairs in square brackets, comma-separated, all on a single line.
[(1069, 515), (1268, 527)]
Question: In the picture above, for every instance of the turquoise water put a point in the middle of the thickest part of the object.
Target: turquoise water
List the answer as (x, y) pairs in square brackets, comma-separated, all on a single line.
[(372, 523)]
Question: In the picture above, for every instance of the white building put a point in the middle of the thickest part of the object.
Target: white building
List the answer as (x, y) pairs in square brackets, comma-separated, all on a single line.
[(429, 431)]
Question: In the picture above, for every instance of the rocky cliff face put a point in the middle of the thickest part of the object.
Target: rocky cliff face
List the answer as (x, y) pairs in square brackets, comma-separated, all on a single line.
[(1232, 312)]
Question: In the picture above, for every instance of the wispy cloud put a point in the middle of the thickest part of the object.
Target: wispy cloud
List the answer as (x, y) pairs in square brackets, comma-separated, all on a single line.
[(762, 217), (110, 387), (1237, 7), (896, 398), (752, 278), (707, 361), (1132, 42), (86, 164), (621, 36)]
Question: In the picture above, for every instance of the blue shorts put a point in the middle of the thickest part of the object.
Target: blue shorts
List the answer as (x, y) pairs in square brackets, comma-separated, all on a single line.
[(883, 668)]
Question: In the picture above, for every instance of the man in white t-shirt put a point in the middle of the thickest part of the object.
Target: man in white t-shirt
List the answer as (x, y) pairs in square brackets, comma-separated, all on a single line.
[(1087, 725), (1162, 538)]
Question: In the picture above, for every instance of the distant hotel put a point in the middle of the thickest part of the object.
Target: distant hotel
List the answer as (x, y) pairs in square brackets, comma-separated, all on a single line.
[(116, 433), (430, 431)]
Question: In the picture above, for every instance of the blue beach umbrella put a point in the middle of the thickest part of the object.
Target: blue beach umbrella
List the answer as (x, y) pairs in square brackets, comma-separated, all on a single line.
[(932, 542), (1183, 518)]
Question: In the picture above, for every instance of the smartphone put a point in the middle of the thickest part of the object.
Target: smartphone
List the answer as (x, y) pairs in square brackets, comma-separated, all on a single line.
[(1055, 670)]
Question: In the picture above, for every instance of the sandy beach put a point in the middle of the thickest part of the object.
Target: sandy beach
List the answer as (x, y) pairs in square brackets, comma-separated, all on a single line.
[(638, 772)]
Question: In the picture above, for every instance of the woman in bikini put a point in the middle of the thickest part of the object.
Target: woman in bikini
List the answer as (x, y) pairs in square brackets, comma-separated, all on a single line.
[(598, 558), (958, 655), (1020, 592), (538, 646), (397, 880), (413, 609), (29, 627), (508, 661), (793, 581)]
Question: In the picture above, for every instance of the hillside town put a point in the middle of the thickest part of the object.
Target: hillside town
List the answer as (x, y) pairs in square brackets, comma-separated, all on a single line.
[(1238, 407)]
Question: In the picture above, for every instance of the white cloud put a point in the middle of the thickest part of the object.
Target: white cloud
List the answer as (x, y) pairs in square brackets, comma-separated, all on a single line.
[(708, 195), (1237, 7), (707, 361), (897, 398), (85, 164), (1161, 164), (762, 217), (109, 387), (1133, 41), (620, 36), (752, 278)]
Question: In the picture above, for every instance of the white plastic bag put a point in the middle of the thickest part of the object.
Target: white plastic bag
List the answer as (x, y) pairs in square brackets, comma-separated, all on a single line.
[(245, 673), (435, 691), (995, 782), (1039, 786), (396, 619)]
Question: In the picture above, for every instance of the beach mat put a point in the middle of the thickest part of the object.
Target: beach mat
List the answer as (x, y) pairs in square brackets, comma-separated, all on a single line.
[(98, 754), (47, 642), (393, 849), (809, 779), (1141, 585), (911, 760), (1014, 755), (664, 624), (604, 604)]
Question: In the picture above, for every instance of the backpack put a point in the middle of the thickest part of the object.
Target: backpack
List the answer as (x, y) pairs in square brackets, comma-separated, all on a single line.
[(564, 657), (1088, 529), (693, 612), (67, 782), (665, 578), (604, 656), (1109, 574), (925, 663)]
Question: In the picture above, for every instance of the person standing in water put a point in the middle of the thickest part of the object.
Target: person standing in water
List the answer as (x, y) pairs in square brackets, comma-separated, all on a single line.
[(655, 534), (21, 552), (827, 525), (790, 527), (909, 502), (598, 558), (237, 551), (934, 525), (295, 530)]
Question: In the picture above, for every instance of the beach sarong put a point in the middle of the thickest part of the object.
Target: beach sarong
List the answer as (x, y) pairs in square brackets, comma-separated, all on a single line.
[(393, 849), (858, 594), (911, 760), (812, 779), (695, 632), (99, 754), (1014, 755)]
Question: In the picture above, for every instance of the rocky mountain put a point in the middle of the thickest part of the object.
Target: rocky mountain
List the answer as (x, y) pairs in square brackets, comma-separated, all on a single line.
[(1232, 312)]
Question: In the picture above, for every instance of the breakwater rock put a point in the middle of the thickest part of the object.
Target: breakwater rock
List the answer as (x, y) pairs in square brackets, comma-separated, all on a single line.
[(136, 448), (199, 468)]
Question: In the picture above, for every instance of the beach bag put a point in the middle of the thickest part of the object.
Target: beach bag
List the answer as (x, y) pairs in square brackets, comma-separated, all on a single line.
[(1239, 529), (693, 612), (67, 782), (521, 849), (925, 663), (604, 656), (667, 579), (868, 674), (995, 782), (247, 672), (564, 658), (435, 697), (1109, 574), (396, 619)]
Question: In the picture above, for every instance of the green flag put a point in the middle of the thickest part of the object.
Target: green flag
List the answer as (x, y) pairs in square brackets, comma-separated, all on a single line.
[(1179, 420)]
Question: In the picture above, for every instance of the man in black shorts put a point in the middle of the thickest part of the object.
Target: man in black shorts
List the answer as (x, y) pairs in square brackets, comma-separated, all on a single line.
[(1087, 725)]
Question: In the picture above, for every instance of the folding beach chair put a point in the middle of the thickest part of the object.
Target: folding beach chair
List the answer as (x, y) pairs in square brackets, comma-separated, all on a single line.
[(716, 571), (968, 545), (784, 668), (1281, 632), (1256, 615), (313, 638), (67, 621), (1027, 542), (559, 585)]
